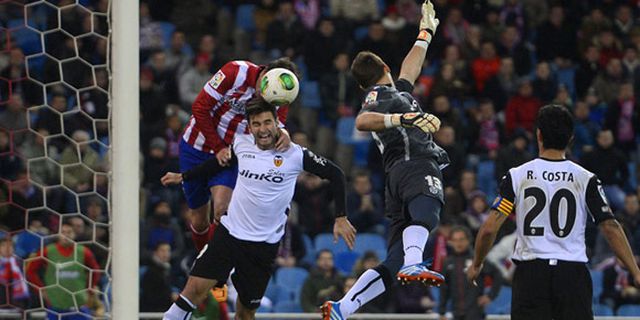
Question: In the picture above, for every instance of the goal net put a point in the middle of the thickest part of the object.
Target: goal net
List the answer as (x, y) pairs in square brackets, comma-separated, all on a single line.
[(55, 147)]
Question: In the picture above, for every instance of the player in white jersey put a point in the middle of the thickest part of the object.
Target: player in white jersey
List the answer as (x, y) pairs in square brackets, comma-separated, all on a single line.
[(248, 236), (552, 198)]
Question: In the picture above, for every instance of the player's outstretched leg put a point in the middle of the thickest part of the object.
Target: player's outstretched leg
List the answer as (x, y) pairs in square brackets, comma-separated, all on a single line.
[(425, 214), (331, 311)]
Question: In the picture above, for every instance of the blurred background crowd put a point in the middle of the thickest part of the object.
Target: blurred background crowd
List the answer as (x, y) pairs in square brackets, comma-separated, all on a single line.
[(492, 64)]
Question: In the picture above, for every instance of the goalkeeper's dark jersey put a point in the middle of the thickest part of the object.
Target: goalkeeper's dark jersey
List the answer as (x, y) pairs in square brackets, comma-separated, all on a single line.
[(401, 144)]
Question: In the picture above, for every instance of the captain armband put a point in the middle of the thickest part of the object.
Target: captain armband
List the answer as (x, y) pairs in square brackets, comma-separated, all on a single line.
[(503, 206)]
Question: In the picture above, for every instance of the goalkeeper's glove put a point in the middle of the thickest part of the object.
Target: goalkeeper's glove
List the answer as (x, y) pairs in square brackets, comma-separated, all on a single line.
[(423, 121), (428, 23)]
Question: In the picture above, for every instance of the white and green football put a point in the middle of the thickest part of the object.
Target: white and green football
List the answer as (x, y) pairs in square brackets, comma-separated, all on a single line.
[(279, 86)]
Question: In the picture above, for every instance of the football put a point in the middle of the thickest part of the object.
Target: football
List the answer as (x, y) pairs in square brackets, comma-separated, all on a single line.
[(279, 86)]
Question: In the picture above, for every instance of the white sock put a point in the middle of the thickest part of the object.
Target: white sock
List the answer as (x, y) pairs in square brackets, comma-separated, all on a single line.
[(366, 288), (176, 312), (414, 239)]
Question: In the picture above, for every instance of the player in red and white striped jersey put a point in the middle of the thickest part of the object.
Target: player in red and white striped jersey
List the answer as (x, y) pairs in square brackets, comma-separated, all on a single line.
[(218, 113)]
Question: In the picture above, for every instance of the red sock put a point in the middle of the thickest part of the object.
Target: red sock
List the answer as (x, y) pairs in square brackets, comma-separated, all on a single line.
[(201, 238)]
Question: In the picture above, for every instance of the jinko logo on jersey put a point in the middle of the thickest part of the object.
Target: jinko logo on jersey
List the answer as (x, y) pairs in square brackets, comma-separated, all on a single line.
[(277, 160), (268, 177)]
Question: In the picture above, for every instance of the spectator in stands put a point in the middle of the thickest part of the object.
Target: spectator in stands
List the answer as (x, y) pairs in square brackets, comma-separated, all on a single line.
[(192, 80), (623, 118), (485, 66), (514, 15), (607, 84), (321, 47), (179, 54), (544, 84), (413, 298), (446, 139), (150, 32), (76, 175), (156, 294), (77, 264), (585, 130), (513, 154), (456, 196), (448, 83), (563, 97), (173, 135), (610, 47), (356, 12), (468, 300), (153, 103), (476, 212), (284, 34), (485, 131), (159, 228), (587, 70), (313, 199), (610, 165), (15, 70), (208, 47), (631, 62), (365, 206), (309, 12), (513, 47), (623, 22), (556, 37), (163, 76), (455, 27), (27, 243), (473, 42), (629, 217), (617, 287), (80, 229), (592, 25), (14, 116), (442, 109), (461, 66), (14, 292), (503, 85), (369, 260), (522, 109), (292, 249), (375, 42), (324, 283), (10, 163)]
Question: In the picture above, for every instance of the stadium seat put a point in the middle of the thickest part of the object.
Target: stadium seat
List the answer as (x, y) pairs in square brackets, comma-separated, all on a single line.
[(287, 307), (485, 177), (310, 254), (369, 242), (602, 310), (244, 17), (344, 130), (360, 33), (628, 310), (596, 280), (502, 303), (292, 279), (168, 29), (345, 260), (277, 293), (311, 95), (325, 241)]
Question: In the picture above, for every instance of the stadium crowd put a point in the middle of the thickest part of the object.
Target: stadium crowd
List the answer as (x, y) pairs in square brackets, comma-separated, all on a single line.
[(492, 64)]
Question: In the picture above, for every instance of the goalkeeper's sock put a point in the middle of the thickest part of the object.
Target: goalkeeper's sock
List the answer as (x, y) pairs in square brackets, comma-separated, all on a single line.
[(180, 310), (414, 239), (367, 287), (200, 238)]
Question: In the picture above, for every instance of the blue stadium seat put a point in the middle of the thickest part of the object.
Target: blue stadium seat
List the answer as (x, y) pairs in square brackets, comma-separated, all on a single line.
[(168, 29), (264, 309), (310, 254), (311, 95), (325, 241), (485, 177), (277, 293), (244, 17), (602, 310), (435, 294), (360, 33), (292, 279), (369, 242), (287, 307), (502, 303), (344, 129), (345, 260), (628, 310), (27, 39), (596, 280)]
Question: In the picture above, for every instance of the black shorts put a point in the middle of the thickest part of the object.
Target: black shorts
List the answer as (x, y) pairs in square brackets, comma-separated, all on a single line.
[(253, 263), (405, 181), (542, 290)]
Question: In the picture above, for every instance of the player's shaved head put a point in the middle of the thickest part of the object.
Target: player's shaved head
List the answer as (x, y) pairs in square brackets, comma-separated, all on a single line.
[(367, 68), (555, 123)]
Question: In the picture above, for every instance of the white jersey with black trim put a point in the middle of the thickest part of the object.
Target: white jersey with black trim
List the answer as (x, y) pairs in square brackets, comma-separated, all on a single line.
[(265, 186), (553, 200)]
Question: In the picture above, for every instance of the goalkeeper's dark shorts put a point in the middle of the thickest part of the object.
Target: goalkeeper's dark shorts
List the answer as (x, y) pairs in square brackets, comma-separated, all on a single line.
[(253, 263), (408, 179)]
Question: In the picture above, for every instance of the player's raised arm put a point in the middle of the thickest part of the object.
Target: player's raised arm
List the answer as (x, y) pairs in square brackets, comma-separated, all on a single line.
[(204, 170), (412, 63), (374, 121), (326, 169)]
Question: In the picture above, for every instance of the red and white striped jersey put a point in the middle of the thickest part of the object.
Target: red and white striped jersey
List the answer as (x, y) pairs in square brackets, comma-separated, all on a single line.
[(218, 111)]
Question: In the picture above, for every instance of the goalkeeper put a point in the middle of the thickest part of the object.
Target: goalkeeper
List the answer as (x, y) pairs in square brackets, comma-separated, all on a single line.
[(412, 161)]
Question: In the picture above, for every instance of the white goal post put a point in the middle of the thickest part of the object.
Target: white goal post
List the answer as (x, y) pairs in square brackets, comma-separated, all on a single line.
[(125, 158)]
